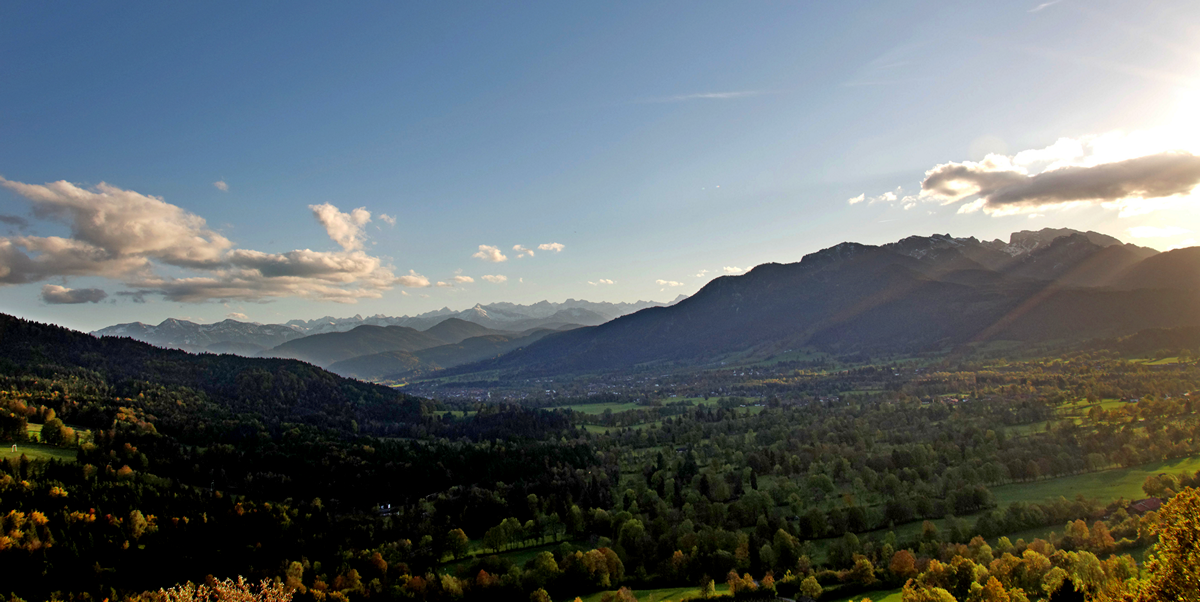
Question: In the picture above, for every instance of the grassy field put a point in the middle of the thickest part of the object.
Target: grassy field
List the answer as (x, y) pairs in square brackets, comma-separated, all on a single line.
[(669, 594), (1066, 411), (519, 557), (455, 413), (1162, 362), (38, 451), (1106, 485), (598, 408), (881, 595), (598, 428)]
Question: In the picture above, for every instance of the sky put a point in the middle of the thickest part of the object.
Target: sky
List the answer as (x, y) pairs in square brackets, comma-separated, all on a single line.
[(273, 161)]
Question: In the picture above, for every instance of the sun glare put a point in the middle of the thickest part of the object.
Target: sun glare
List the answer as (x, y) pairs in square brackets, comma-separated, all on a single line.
[(1186, 121)]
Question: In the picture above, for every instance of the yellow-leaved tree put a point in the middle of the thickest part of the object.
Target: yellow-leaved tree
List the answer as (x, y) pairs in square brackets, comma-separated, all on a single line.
[(1173, 571)]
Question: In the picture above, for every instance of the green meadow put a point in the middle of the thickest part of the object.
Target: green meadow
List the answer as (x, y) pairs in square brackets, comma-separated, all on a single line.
[(38, 451), (1105, 485), (667, 594)]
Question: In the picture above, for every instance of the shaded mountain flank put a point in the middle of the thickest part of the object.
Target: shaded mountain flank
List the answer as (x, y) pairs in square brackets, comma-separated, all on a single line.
[(403, 364), (917, 294), (325, 349)]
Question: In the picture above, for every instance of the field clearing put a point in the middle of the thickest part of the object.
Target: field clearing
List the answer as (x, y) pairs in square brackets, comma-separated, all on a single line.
[(455, 413), (38, 451), (1067, 411), (601, 429), (711, 401), (668, 594), (802, 355), (598, 408), (1106, 485), (518, 557), (1162, 362), (880, 595)]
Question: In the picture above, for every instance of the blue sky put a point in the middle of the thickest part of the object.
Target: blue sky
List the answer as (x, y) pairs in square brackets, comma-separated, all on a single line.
[(657, 143)]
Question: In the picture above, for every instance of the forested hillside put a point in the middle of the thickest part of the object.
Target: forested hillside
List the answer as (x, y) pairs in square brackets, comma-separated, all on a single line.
[(845, 479)]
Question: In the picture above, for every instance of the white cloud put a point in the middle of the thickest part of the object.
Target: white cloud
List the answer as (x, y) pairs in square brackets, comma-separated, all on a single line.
[(128, 236), (237, 315), (668, 283), (601, 281), (221, 185), (1132, 173), (522, 251), (551, 246), (732, 270), (497, 279), (404, 293), (413, 280), (1183, 244), (441, 284), (114, 225), (490, 253), (887, 197), (460, 279), (346, 229), (56, 295), (387, 219), (701, 273), (1157, 232), (305, 263)]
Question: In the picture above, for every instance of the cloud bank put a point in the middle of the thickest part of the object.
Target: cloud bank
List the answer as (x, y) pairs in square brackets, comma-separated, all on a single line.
[(1132, 173), (1003, 188), (55, 295), (130, 237)]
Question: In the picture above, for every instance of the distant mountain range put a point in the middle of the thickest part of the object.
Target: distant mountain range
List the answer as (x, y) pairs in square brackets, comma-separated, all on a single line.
[(921, 293), (247, 338)]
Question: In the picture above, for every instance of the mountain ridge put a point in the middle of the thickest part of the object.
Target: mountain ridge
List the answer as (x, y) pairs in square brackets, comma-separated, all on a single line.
[(250, 337), (918, 294)]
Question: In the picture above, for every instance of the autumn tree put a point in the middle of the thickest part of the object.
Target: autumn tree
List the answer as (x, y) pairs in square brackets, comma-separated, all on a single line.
[(457, 543), (811, 587), (903, 565), (1174, 568)]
